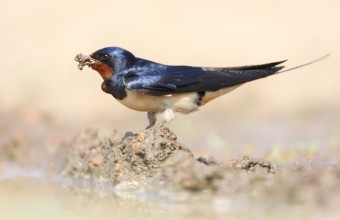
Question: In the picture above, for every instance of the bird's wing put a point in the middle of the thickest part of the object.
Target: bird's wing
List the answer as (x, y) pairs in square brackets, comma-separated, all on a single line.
[(161, 80)]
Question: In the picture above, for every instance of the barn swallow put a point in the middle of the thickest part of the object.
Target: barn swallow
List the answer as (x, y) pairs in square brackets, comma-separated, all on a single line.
[(144, 85)]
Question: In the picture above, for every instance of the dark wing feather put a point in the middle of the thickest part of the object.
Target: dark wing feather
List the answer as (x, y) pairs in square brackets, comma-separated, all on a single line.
[(251, 67), (157, 79)]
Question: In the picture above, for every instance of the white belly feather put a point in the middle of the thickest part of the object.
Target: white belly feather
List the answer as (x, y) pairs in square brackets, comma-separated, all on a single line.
[(182, 102)]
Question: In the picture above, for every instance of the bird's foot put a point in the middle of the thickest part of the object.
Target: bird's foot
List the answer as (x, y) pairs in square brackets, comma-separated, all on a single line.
[(168, 116), (161, 124)]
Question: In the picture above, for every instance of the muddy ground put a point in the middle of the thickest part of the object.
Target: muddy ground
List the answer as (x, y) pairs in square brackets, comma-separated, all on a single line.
[(154, 173)]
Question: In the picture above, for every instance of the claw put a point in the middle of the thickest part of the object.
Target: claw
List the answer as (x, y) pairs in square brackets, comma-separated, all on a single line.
[(168, 116), (161, 124)]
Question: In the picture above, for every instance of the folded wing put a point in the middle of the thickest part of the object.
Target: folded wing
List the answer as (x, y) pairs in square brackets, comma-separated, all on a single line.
[(161, 80)]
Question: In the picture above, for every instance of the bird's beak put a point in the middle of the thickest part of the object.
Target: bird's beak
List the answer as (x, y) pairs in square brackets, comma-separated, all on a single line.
[(84, 60)]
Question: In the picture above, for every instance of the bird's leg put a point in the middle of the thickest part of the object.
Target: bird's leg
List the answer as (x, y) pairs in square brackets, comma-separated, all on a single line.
[(151, 119), (168, 116)]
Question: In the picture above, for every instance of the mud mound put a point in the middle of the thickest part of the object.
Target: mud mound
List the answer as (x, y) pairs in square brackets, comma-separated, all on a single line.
[(155, 162), (152, 158), (134, 157)]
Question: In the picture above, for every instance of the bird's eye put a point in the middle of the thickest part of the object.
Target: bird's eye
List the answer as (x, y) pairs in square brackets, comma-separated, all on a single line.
[(104, 57)]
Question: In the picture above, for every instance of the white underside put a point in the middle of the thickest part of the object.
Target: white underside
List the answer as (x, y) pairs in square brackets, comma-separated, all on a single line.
[(183, 102)]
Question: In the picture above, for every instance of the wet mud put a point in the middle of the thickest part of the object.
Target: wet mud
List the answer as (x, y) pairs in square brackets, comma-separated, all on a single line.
[(154, 166), (155, 161)]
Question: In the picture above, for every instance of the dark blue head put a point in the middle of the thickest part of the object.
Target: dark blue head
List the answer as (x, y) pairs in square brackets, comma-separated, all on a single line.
[(114, 57)]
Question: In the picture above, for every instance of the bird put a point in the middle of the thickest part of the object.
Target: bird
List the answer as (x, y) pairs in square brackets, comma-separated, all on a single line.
[(152, 87)]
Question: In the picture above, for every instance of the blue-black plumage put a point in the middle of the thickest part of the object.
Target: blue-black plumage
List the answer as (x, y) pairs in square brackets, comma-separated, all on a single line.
[(145, 85)]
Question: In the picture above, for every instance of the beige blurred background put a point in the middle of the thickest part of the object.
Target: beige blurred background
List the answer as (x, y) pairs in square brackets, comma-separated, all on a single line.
[(39, 40)]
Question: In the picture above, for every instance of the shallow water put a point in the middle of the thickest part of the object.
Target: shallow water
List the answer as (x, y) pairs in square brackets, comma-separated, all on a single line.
[(27, 198)]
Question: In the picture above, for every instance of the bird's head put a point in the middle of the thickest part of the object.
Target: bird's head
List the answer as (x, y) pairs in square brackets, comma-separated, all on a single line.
[(106, 61)]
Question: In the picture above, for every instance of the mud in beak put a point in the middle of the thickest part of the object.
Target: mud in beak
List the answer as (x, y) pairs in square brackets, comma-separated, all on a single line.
[(84, 60)]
